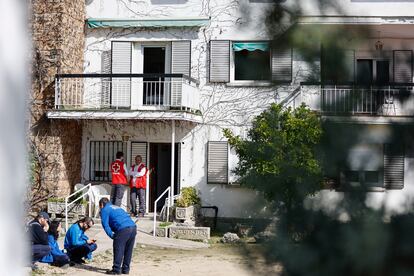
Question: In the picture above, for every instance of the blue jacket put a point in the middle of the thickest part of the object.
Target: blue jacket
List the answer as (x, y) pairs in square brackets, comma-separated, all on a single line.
[(114, 218), (55, 250), (75, 237)]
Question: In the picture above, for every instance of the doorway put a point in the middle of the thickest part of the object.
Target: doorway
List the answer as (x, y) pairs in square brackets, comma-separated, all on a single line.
[(154, 63), (160, 178)]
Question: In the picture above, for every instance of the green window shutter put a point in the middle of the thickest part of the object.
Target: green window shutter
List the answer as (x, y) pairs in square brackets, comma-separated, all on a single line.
[(217, 162), (393, 167), (281, 65), (219, 61), (403, 71), (121, 64)]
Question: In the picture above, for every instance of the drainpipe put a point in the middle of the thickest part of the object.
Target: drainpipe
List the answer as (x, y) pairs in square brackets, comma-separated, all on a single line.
[(172, 159)]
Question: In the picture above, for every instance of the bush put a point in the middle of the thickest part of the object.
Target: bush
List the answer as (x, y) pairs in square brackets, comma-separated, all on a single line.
[(188, 197)]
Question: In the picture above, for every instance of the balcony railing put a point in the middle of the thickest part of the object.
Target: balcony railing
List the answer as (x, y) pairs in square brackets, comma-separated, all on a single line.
[(126, 91), (389, 100)]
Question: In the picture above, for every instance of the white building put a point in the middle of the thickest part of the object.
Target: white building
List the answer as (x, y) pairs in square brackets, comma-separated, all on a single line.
[(183, 70)]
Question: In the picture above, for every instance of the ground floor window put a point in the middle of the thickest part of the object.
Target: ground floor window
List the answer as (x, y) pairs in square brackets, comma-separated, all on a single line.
[(101, 154)]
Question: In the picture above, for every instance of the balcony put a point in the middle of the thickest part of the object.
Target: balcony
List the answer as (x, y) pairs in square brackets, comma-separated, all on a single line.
[(393, 100), (123, 96)]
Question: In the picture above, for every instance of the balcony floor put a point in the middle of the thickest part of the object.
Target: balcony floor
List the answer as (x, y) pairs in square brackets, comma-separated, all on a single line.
[(120, 114)]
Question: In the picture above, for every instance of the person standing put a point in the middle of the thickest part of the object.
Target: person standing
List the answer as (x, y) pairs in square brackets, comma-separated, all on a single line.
[(77, 244), (38, 234), (119, 226), (119, 174), (138, 184)]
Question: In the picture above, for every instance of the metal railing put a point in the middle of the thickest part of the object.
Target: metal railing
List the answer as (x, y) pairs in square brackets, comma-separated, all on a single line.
[(350, 99), (126, 91), (168, 209), (82, 195), (360, 100)]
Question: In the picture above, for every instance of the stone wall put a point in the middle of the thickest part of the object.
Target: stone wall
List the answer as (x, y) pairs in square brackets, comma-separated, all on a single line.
[(58, 43)]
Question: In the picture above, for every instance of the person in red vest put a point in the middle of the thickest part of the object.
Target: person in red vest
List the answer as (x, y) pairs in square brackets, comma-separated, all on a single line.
[(119, 174), (138, 184)]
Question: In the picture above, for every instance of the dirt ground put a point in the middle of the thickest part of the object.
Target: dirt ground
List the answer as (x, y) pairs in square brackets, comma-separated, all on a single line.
[(219, 259)]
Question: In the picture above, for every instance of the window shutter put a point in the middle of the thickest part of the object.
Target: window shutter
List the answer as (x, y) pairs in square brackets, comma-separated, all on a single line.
[(217, 162), (139, 148), (181, 57), (403, 71), (219, 61), (281, 65), (349, 64), (106, 82), (121, 64), (393, 167)]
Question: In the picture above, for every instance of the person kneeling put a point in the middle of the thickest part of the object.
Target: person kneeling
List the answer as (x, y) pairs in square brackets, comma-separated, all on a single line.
[(56, 257), (77, 244)]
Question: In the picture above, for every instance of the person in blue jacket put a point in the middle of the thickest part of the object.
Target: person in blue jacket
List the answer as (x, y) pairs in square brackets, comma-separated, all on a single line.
[(77, 244), (56, 257), (119, 226)]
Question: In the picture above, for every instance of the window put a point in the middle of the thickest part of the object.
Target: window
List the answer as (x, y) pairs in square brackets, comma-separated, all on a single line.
[(371, 71), (362, 178), (102, 153), (251, 61), (217, 162), (365, 164)]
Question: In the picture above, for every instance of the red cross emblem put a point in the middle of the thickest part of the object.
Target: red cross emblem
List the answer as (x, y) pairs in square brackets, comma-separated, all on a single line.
[(115, 168)]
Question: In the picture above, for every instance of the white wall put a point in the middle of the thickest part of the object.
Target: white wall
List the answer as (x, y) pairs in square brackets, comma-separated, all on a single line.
[(222, 105)]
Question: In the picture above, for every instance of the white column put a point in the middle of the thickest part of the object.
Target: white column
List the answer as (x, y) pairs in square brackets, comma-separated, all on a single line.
[(172, 158)]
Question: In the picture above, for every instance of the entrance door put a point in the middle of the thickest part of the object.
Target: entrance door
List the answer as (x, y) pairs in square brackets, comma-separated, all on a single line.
[(154, 63), (160, 178)]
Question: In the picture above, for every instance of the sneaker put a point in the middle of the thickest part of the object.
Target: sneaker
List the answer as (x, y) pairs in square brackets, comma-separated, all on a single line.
[(141, 215), (113, 272), (66, 266)]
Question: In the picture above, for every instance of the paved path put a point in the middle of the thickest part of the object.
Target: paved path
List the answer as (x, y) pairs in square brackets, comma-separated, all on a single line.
[(144, 237)]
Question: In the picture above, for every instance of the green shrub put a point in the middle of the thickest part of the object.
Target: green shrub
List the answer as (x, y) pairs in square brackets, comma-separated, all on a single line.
[(188, 197)]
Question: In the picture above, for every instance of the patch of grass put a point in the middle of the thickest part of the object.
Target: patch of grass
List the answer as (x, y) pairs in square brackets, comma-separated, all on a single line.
[(164, 224)]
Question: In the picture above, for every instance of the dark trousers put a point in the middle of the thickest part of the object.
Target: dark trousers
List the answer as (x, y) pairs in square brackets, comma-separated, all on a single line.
[(117, 194), (39, 251), (76, 253), (60, 260), (123, 244), (140, 193)]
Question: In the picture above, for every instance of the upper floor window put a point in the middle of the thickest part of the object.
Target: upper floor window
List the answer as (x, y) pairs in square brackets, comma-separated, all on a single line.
[(251, 61), (371, 71)]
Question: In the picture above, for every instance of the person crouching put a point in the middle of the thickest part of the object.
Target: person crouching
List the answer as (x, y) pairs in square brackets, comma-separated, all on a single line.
[(77, 244)]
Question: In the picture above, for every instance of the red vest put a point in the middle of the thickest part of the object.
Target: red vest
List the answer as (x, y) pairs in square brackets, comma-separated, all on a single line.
[(118, 172), (140, 182)]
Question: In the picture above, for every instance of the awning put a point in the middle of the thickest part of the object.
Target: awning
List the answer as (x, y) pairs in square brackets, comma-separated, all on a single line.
[(146, 23), (250, 46)]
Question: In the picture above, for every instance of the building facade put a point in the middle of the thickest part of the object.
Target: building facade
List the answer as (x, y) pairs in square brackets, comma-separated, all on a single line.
[(164, 78)]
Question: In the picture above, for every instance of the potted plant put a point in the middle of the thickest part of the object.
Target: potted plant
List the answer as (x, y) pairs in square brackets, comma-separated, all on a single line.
[(187, 204), (56, 206), (162, 229)]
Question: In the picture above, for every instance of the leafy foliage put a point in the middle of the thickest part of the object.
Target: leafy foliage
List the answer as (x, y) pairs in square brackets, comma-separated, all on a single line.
[(279, 156), (188, 197)]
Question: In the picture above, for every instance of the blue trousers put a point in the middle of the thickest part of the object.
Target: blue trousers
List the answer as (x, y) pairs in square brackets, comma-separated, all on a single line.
[(76, 253), (123, 244), (39, 251), (117, 193)]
